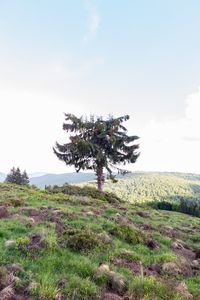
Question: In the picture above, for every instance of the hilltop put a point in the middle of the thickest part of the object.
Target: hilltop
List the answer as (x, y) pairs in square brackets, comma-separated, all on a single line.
[(73, 243)]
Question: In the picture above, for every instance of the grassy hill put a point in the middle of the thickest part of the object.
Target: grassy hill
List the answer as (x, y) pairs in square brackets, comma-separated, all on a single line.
[(78, 244)]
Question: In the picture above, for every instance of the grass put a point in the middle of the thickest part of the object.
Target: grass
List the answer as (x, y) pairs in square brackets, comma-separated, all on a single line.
[(80, 234)]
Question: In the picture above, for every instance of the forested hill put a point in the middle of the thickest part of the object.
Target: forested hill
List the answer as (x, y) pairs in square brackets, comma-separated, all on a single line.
[(156, 186)]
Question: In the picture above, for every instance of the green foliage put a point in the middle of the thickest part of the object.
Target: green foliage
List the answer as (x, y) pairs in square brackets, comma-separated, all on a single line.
[(97, 144), (185, 205), (190, 206), (149, 288), (144, 187), (22, 241), (82, 289), (194, 286), (80, 240), (75, 246), (47, 288), (128, 233), (85, 191), (15, 176)]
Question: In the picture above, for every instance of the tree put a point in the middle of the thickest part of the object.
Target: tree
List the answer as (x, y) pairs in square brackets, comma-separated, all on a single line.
[(96, 144), (15, 176)]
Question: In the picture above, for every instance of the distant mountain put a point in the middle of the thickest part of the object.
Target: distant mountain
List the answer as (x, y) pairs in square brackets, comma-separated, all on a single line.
[(37, 174), (40, 179), (60, 179), (2, 177)]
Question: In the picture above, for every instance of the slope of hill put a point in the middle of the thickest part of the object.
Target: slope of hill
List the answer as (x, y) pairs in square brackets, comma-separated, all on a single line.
[(156, 186), (59, 246)]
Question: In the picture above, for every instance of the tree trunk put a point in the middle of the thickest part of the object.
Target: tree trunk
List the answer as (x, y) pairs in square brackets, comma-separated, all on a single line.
[(100, 179)]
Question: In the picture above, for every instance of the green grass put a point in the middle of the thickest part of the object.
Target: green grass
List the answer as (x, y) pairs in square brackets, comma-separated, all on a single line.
[(76, 243)]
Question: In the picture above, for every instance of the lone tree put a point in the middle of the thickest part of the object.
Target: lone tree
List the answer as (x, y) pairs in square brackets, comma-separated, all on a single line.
[(96, 144), (15, 176)]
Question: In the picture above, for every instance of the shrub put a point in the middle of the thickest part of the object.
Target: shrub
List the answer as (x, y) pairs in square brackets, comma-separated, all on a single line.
[(82, 289), (148, 288), (82, 240), (84, 191), (128, 233)]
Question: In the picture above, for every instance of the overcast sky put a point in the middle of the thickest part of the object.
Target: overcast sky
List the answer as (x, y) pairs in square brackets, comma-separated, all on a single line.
[(135, 57)]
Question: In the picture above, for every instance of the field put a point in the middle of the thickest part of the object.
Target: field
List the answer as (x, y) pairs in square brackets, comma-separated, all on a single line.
[(78, 244)]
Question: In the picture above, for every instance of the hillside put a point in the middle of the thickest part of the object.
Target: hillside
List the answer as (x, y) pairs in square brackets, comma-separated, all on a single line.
[(59, 246), (142, 187)]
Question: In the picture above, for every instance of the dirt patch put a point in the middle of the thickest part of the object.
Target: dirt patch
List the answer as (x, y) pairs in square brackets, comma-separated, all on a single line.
[(146, 227), (136, 267), (171, 232), (111, 296), (4, 212), (152, 244), (143, 214)]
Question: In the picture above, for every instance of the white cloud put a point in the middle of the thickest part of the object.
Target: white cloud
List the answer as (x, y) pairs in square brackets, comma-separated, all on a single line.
[(173, 145)]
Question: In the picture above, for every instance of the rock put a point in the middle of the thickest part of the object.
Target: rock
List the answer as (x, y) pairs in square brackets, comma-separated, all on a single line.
[(182, 290), (127, 252), (195, 264), (9, 243), (3, 212), (152, 244), (7, 293), (89, 213), (117, 215), (111, 296), (102, 269)]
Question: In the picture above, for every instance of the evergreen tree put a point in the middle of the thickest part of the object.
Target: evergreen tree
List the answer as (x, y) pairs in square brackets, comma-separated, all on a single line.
[(25, 178), (96, 144), (15, 176)]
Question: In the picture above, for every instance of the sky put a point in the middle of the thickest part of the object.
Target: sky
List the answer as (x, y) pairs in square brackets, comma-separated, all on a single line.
[(135, 57)]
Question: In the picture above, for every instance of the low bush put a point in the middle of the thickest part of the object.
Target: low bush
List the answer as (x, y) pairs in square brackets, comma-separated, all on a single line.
[(128, 233), (84, 191), (82, 289), (148, 288), (82, 240)]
